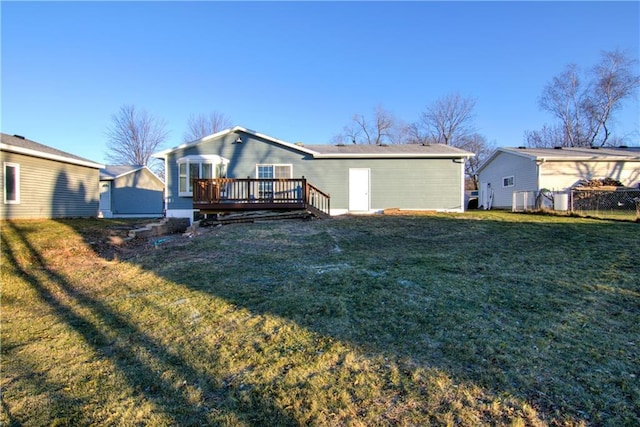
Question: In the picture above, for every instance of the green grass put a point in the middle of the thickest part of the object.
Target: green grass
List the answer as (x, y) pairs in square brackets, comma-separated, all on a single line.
[(485, 318)]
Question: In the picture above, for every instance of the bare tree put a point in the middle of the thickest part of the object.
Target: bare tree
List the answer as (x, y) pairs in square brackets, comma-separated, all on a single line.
[(584, 111), (134, 135), (449, 121), (382, 129), (478, 145), (203, 125)]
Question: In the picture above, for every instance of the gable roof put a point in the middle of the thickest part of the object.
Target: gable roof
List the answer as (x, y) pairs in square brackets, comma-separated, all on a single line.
[(111, 172), (570, 154), (319, 151), (21, 145)]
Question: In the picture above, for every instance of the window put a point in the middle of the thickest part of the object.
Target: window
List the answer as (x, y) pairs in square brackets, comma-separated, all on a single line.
[(507, 181), (199, 167), (11, 183), (265, 189), (274, 171)]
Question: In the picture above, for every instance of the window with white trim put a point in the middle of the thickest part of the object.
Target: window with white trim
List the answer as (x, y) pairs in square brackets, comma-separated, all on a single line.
[(11, 183), (271, 171), (508, 181), (274, 171), (197, 168)]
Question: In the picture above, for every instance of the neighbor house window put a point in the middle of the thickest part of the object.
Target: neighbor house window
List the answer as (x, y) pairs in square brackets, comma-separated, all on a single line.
[(507, 181), (199, 167), (11, 183)]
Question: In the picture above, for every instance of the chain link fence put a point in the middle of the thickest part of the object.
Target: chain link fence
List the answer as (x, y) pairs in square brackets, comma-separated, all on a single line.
[(623, 203)]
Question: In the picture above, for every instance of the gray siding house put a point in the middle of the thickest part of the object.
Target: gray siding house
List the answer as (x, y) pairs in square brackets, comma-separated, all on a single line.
[(128, 191), (42, 182), (358, 178), (510, 170)]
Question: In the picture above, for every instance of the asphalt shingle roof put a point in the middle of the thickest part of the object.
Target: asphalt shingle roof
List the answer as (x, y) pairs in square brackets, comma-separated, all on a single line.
[(22, 143)]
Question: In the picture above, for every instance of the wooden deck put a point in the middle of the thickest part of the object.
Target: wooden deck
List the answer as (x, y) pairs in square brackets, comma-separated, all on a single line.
[(223, 195)]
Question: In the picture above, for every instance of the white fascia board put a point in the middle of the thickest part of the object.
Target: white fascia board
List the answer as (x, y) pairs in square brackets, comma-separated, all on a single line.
[(163, 153), (49, 156), (214, 158), (277, 141), (236, 129), (136, 170), (127, 173), (392, 156), (589, 159)]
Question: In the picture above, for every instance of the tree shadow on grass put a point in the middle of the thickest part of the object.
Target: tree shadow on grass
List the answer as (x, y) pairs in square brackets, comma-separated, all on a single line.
[(139, 359), (539, 311), (542, 312)]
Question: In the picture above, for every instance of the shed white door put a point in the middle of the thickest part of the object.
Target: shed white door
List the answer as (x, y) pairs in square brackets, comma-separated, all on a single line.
[(105, 199), (358, 189)]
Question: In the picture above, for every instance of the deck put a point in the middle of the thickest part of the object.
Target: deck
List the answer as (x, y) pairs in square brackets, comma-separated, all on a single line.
[(223, 195)]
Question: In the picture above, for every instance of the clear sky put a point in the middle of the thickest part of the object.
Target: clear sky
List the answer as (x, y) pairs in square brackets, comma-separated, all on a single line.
[(297, 71)]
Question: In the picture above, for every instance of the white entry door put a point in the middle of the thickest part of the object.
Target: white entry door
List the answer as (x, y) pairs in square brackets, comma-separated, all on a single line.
[(359, 189), (105, 199)]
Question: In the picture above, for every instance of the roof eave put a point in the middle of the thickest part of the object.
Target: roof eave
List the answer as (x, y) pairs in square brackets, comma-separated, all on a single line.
[(392, 155), (236, 129), (50, 156)]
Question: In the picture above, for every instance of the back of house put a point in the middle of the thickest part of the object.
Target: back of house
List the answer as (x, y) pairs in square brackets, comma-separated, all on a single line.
[(358, 178)]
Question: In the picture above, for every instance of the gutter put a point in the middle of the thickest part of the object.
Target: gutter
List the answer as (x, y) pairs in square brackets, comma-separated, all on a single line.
[(49, 156)]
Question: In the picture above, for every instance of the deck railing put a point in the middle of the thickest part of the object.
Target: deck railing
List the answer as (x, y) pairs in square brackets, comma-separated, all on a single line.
[(258, 193)]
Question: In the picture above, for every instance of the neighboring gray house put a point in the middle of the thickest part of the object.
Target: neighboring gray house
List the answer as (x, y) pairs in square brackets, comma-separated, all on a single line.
[(358, 178), (128, 191), (510, 170), (42, 182)]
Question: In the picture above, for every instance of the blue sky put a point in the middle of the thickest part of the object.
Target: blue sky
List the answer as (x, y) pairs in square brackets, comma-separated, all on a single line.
[(297, 71)]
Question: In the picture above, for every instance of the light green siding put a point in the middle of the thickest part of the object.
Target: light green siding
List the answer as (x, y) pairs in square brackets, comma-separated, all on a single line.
[(51, 189), (427, 184)]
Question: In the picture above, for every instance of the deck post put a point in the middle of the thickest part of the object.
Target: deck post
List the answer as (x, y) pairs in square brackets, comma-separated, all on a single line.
[(305, 199)]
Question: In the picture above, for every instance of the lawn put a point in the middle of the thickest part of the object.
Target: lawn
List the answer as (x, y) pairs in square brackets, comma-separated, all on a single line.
[(471, 319)]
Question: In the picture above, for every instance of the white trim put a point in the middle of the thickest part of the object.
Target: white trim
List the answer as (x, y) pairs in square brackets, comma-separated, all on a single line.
[(17, 182), (509, 177), (181, 213), (35, 153), (198, 159), (274, 165), (132, 171), (313, 153), (203, 158), (392, 156)]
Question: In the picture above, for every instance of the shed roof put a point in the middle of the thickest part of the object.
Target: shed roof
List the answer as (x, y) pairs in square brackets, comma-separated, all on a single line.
[(341, 151), (111, 172), (22, 145)]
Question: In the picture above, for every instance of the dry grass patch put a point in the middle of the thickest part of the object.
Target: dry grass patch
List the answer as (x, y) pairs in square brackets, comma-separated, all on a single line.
[(408, 320)]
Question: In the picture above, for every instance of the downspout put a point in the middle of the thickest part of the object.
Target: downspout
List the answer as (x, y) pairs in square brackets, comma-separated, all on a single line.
[(539, 163), (463, 182)]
